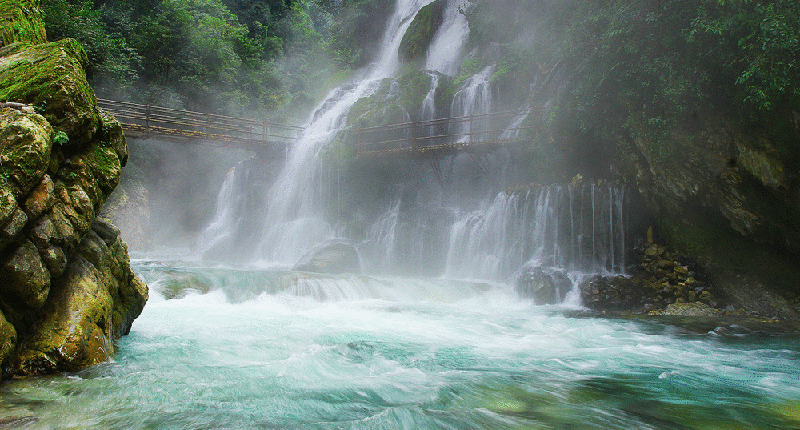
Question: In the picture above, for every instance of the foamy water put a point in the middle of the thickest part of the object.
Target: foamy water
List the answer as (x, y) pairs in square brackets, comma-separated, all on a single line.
[(270, 349)]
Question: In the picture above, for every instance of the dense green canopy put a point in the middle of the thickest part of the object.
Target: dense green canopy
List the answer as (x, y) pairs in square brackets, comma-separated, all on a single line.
[(242, 57)]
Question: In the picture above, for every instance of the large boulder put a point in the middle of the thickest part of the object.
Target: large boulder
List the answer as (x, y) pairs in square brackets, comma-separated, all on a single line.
[(336, 257), (545, 286), (418, 37), (94, 302)]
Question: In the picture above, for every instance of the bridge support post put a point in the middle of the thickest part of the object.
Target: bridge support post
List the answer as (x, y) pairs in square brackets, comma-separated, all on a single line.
[(471, 125), (413, 139), (358, 142), (147, 119)]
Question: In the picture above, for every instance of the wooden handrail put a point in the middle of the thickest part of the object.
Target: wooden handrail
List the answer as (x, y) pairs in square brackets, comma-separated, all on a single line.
[(441, 134), (158, 120)]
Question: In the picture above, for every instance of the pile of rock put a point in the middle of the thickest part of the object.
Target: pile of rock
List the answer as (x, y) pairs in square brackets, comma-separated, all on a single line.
[(673, 279), (663, 283)]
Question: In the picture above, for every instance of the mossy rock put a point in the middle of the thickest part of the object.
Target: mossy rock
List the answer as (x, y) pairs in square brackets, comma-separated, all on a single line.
[(381, 108), (93, 303), (21, 21), (25, 279), (51, 78), (419, 35), (25, 153), (8, 339)]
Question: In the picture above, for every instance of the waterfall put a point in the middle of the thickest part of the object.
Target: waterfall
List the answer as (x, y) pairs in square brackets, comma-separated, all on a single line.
[(444, 52), (474, 98), (579, 229), (293, 222), (445, 218)]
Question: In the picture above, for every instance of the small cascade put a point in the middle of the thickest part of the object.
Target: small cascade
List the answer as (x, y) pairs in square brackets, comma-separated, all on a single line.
[(233, 232), (407, 241), (474, 98), (444, 52), (428, 109), (580, 229), (381, 239)]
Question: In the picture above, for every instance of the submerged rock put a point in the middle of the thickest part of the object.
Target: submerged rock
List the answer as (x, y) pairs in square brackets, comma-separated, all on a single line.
[(337, 257)]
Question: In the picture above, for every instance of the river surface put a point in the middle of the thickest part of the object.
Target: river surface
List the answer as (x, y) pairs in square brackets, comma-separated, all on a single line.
[(273, 349)]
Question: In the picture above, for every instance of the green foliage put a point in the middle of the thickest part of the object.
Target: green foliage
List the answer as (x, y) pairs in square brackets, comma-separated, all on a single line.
[(60, 138), (468, 68), (643, 68), (356, 30), (109, 54), (240, 57)]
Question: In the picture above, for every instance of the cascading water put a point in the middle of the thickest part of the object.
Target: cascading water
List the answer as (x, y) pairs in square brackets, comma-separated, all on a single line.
[(474, 98), (292, 223), (444, 52)]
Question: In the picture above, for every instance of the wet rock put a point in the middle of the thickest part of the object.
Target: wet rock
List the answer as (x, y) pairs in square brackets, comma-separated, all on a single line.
[(8, 338), (93, 303), (419, 35), (51, 75), (689, 310), (41, 199), (25, 153), (544, 285), (337, 257), (13, 227), (617, 293), (66, 287), (24, 278)]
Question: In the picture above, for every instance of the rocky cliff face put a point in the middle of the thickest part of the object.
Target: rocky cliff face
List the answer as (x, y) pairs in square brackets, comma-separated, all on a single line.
[(66, 287), (727, 197)]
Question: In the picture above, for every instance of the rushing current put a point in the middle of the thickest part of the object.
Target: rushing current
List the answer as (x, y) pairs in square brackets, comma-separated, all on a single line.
[(249, 349)]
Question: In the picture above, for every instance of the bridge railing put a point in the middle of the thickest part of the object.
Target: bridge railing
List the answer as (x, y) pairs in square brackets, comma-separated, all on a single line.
[(442, 134), (149, 119)]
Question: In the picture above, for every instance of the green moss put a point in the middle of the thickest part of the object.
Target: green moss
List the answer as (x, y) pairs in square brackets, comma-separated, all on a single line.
[(8, 338), (413, 88), (20, 21), (52, 75), (417, 38), (468, 68), (25, 152)]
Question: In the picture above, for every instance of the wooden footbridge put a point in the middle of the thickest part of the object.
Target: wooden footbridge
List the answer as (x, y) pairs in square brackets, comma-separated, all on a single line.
[(430, 138), (481, 133), (148, 121)]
